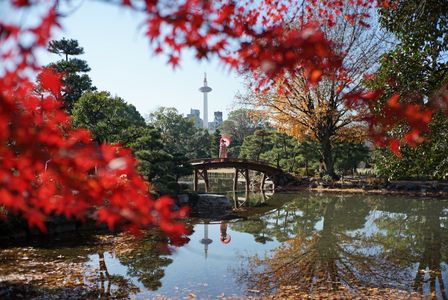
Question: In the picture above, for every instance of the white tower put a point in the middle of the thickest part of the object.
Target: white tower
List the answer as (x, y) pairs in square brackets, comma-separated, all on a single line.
[(205, 89)]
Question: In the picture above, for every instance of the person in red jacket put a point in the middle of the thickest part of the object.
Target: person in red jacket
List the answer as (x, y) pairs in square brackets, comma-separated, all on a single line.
[(222, 148)]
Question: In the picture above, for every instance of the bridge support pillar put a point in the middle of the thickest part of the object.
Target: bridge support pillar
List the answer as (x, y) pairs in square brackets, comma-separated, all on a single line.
[(246, 174), (235, 180), (235, 199), (205, 176), (263, 180), (195, 180)]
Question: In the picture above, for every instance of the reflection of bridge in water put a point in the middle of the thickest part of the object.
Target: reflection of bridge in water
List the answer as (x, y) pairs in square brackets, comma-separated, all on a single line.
[(250, 199), (241, 166)]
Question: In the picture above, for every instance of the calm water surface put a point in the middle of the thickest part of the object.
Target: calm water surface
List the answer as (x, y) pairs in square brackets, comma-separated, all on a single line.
[(309, 240)]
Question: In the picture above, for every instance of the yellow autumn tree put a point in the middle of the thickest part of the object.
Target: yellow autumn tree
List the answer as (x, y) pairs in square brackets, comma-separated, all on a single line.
[(319, 110)]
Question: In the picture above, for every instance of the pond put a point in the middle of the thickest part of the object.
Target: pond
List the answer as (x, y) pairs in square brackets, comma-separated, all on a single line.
[(316, 244)]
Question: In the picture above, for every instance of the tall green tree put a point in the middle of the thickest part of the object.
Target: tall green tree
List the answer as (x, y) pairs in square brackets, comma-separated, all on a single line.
[(418, 64), (214, 143), (254, 145), (285, 152), (427, 160), (179, 134), (198, 144), (111, 119), (65, 47), (158, 166), (75, 78), (416, 69), (309, 150), (105, 116), (281, 150), (155, 163)]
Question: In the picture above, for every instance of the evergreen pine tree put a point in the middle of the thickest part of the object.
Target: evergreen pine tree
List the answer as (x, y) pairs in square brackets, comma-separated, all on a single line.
[(75, 79), (214, 143)]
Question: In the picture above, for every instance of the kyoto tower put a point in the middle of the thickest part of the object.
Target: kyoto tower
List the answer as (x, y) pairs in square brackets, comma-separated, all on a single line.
[(205, 89)]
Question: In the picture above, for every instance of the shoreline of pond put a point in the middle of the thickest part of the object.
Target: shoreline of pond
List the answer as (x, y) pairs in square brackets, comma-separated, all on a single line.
[(414, 188)]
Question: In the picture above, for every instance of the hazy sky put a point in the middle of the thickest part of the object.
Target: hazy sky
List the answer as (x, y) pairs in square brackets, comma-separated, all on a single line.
[(121, 62)]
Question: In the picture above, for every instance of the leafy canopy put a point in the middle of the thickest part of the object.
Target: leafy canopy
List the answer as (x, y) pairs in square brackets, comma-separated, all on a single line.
[(105, 116)]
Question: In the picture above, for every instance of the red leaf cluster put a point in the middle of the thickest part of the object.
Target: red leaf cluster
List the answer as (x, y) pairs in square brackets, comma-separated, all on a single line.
[(248, 35), (383, 118), (49, 167)]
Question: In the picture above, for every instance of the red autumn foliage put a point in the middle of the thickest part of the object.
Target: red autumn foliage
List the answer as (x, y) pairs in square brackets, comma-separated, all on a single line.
[(47, 167), (414, 116)]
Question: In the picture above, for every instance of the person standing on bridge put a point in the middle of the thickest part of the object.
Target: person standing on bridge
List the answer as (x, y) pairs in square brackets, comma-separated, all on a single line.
[(224, 142)]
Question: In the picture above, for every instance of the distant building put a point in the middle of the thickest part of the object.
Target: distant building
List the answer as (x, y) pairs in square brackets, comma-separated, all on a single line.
[(194, 115), (212, 126), (218, 117)]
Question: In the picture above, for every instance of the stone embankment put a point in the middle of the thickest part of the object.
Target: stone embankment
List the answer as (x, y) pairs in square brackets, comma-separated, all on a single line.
[(210, 206), (15, 229)]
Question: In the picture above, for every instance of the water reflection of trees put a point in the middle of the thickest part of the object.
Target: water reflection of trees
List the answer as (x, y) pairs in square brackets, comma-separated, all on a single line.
[(311, 260), (146, 259), (303, 215), (330, 247), (429, 274), (65, 262), (417, 234), (112, 286)]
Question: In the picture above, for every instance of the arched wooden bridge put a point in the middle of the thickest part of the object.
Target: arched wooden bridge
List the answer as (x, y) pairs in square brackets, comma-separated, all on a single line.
[(241, 166)]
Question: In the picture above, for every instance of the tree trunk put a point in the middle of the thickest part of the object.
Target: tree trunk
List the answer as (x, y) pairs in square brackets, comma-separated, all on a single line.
[(327, 157)]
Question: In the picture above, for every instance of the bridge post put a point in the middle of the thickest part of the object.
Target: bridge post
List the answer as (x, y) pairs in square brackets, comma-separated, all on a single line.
[(235, 180), (263, 180), (205, 176), (195, 180), (263, 195), (235, 199), (246, 174)]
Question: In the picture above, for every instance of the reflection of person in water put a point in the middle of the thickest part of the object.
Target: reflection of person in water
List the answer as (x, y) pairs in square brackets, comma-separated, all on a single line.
[(224, 238)]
